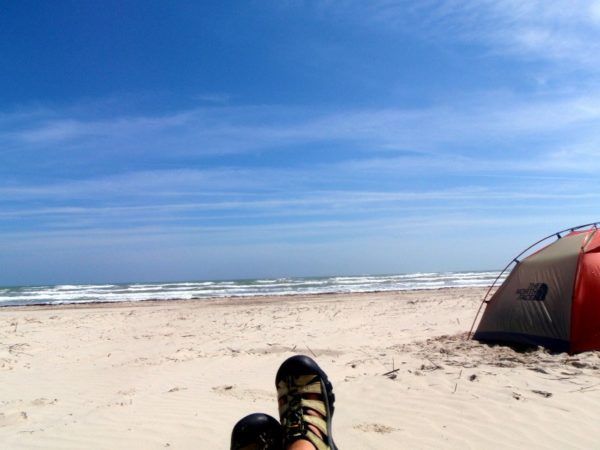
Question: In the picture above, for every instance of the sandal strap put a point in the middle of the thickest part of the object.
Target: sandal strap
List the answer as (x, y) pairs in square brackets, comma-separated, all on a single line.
[(316, 405), (304, 384), (317, 422), (298, 387), (317, 441)]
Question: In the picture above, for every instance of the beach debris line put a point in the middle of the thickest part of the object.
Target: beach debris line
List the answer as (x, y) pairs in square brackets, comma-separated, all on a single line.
[(177, 388), (312, 353), (392, 374), (587, 388), (542, 393)]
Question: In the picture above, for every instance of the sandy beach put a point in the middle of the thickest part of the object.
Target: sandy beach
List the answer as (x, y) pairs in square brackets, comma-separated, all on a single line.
[(179, 374)]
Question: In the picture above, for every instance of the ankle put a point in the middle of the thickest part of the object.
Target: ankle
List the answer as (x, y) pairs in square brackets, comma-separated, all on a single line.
[(301, 444)]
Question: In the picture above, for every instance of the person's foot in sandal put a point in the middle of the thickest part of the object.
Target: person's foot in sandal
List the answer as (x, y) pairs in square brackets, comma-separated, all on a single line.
[(257, 431), (306, 400)]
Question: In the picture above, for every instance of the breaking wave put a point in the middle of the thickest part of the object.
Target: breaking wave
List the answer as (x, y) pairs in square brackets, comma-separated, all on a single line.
[(90, 293)]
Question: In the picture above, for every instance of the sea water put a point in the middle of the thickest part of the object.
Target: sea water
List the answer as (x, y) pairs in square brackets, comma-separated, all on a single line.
[(90, 293)]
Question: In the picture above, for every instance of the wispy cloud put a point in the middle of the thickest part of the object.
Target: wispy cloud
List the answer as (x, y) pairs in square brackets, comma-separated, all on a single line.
[(166, 199), (222, 130), (564, 30), (533, 150), (561, 30)]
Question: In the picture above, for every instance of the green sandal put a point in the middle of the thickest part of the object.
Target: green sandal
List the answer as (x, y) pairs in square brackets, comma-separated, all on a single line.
[(303, 387)]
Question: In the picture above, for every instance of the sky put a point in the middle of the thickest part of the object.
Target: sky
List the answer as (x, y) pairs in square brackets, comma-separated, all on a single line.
[(159, 140)]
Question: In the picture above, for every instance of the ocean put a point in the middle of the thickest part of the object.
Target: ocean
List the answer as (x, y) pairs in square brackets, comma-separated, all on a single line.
[(96, 293)]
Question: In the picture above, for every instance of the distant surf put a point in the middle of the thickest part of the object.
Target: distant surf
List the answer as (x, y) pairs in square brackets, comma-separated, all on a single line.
[(92, 293)]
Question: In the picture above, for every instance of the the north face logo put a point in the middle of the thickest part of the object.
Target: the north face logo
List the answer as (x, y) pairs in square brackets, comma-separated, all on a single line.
[(535, 292)]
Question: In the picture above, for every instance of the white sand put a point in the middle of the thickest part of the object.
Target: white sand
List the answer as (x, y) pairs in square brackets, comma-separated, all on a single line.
[(179, 374)]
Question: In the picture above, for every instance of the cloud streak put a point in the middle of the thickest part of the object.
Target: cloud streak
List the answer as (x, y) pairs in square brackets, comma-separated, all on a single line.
[(382, 158), (222, 130), (557, 31)]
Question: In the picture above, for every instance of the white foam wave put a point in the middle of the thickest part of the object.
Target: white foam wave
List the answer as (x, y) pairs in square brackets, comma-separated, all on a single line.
[(69, 293)]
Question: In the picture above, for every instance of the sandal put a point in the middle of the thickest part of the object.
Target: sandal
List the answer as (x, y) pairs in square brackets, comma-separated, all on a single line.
[(306, 400), (257, 431)]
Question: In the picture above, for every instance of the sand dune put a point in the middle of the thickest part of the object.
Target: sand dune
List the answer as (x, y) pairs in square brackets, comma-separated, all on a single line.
[(179, 374)]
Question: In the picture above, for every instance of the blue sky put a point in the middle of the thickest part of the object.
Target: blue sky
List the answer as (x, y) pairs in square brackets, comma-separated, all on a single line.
[(190, 140)]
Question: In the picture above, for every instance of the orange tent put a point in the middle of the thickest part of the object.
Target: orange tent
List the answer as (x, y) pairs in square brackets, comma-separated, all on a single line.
[(552, 297)]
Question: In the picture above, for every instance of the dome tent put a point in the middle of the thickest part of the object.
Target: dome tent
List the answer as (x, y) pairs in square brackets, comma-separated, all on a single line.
[(550, 298)]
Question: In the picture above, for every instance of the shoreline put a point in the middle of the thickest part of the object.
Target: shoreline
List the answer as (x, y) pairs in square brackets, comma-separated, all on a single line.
[(242, 299), (112, 293)]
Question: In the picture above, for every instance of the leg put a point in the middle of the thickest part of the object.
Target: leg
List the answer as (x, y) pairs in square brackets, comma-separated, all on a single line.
[(301, 445)]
